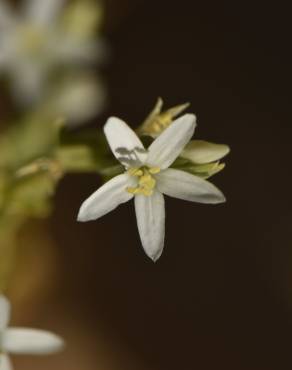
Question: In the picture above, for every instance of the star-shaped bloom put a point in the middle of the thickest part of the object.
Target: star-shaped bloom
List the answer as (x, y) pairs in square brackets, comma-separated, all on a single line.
[(23, 341), (43, 36), (147, 178)]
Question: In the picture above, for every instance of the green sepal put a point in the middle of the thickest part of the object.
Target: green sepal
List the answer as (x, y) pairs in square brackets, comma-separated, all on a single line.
[(202, 170)]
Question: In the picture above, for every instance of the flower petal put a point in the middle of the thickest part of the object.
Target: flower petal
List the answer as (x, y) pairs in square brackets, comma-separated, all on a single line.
[(168, 146), (79, 98), (150, 213), (43, 12), (4, 312), (5, 363), (77, 51), (31, 341), (124, 143), (201, 152), (182, 185), (107, 198)]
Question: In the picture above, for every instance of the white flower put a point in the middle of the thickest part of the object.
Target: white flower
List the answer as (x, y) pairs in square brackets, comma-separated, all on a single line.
[(23, 341), (42, 37), (147, 177), (78, 98)]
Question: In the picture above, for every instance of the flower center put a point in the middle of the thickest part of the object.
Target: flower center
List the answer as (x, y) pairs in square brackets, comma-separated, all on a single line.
[(146, 180)]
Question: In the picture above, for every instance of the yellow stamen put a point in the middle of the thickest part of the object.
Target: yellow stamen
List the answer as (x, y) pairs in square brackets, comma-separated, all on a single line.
[(132, 190), (146, 182), (135, 172), (154, 170), (145, 179)]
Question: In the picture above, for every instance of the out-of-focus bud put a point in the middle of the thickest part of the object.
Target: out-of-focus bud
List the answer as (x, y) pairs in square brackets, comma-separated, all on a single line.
[(201, 152)]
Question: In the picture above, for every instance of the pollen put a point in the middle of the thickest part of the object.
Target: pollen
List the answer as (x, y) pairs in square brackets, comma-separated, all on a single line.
[(146, 181), (154, 170)]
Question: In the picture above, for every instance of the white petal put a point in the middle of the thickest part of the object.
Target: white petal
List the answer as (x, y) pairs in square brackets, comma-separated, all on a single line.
[(199, 151), (76, 51), (168, 146), (4, 313), (31, 341), (107, 198), (150, 213), (5, 363), (182, 185), (43, 12), (124, 143), (79, 98)]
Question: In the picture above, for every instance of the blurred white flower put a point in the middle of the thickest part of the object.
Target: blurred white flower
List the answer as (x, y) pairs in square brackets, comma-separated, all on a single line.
[(23, 341), (45, 35), (147, 178), (77, 98)]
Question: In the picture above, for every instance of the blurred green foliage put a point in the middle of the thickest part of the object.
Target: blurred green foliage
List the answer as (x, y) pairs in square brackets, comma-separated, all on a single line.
[(34, 156), (47, 72)]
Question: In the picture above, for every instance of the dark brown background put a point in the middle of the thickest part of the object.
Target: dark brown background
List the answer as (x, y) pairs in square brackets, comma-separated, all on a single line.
[(220, 297)]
